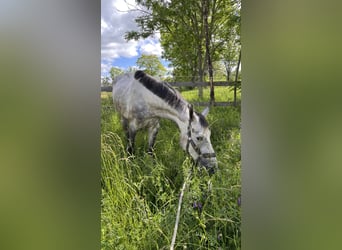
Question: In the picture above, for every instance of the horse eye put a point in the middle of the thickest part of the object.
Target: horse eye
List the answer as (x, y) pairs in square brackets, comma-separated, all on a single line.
[(199, 138)]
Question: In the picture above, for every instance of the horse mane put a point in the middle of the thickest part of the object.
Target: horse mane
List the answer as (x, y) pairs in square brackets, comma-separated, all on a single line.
[(161, 89)]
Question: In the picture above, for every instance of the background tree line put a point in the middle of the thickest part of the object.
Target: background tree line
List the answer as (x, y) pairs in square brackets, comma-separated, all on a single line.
[(150, 63)]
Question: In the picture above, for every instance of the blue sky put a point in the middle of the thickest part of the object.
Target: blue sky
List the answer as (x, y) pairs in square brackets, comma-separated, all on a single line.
[(117, 17), (125, 62)]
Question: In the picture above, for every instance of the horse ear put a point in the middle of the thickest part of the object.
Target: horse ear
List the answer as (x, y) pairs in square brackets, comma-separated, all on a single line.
[(191, 112), (205, 111)]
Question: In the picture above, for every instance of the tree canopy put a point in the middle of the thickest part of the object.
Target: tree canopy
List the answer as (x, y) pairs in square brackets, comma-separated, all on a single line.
[(183, 36), (151, 65), (114, 72), (105, 81)]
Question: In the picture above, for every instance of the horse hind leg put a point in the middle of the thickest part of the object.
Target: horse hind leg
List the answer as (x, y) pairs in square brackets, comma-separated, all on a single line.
[(130, 135), (152, 135)]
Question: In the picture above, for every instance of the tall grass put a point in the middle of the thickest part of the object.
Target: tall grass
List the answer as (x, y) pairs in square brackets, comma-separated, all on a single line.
[(140, 194)]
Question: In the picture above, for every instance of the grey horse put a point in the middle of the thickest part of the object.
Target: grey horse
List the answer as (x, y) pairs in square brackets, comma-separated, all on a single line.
[(141, 101)]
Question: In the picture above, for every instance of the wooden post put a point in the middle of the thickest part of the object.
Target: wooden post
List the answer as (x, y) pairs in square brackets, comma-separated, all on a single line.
[(236, 77)]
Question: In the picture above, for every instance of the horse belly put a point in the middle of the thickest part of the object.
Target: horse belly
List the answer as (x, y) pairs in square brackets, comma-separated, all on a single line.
[(134, 110)]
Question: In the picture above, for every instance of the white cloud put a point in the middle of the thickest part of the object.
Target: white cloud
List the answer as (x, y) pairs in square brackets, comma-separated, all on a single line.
[(116, 20), (113, 50), (114, 24), (105, 67), (151, 46), (104, 26), (124, 5)]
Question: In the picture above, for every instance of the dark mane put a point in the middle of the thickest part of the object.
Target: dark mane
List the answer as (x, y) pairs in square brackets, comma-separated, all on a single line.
[(160, 89)]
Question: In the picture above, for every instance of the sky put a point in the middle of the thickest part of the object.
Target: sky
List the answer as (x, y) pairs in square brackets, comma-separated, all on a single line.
[(117, 17)]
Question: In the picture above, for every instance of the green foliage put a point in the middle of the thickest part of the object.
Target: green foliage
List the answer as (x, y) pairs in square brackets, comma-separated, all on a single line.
[(140, 194), (114, 72), (131, 69), (222, 94), (181, 25), (151, 65), (230, 57), (105, 81)]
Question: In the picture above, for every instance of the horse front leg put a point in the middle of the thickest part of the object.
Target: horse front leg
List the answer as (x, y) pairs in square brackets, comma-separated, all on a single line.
[(131, 138), (130, 135), (152, 135)]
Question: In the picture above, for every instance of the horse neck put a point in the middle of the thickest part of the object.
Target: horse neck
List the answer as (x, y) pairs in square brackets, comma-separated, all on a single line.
[(180, 117)]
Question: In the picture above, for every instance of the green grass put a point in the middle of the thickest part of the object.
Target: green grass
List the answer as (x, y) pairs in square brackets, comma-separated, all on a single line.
[(222, 94), (140, 194)]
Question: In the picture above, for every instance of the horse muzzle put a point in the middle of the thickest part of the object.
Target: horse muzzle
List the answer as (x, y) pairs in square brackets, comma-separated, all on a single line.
[(210, 163)]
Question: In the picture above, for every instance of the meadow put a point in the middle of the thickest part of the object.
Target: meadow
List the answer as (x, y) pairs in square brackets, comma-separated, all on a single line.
[(140, 193)]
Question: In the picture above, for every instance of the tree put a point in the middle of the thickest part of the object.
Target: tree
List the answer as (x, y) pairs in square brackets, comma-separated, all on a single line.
[(236, 77), (131, 69), (114, 72), (219, 71), (178, 23), (231, 41), (230, 58), (193, 32), (105, 81), (151, 65), (207, 49)]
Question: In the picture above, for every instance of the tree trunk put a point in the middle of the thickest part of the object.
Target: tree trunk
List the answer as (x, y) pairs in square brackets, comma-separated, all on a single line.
[(200, 71), (207, 47), (227, 67), (236, 78)]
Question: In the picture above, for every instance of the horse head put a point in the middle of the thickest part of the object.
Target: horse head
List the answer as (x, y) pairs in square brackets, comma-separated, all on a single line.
[(196, 140)]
